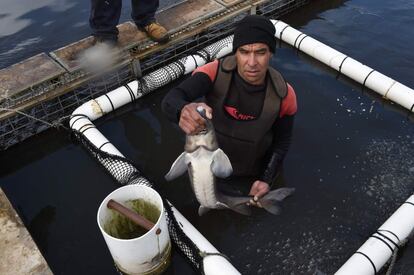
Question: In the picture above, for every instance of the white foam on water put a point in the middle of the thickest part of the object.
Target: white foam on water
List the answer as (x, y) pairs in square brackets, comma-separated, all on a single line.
[(390, 165)]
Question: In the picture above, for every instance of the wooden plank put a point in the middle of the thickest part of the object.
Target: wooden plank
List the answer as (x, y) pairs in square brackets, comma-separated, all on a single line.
[(199, 28), (228, 3), (19, 253), (28, 73), (187, 13), (68, 56)]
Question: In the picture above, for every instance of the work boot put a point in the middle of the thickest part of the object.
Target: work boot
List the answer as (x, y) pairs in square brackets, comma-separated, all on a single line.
[(156, 32)]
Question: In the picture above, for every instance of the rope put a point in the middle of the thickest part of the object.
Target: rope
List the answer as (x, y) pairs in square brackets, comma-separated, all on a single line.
[(410, 203), (103, 144), (388, 239), (131, 93), (302, 41), (340, 66), (55, 124), (389, 88), (294, 44), (365, 80), (393, 260), (369, 259), (392, 233), (395, 253), (384, 242), (110, 101), (78, 116), (195, 61), (281, 33)]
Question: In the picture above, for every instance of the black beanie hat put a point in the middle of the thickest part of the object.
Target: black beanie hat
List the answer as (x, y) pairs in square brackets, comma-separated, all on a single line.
[(254, 29)]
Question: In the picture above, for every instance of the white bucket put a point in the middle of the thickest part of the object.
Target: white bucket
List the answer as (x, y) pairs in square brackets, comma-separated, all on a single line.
[(147, 254)]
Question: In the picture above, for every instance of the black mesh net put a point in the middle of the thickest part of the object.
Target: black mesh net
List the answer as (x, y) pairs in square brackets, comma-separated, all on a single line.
[(174, 70), (160, 77), (125, 172), (181, 240)]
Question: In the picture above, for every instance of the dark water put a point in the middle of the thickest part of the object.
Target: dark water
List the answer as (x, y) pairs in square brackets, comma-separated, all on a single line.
[(351, 159)]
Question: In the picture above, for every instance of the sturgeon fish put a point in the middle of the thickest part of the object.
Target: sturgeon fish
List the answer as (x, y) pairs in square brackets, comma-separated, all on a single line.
[(205, 161)]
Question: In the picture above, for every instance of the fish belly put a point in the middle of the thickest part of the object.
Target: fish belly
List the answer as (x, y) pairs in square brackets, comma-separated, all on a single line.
[(204, 182)]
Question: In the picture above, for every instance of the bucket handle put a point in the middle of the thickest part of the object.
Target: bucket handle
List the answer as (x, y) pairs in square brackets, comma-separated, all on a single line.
[(132, 215)]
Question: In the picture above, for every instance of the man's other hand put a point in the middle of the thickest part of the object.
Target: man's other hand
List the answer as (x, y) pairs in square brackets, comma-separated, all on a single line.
[(258, 190)]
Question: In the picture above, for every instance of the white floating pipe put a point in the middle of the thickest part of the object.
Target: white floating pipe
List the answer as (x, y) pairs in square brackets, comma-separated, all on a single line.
[(374, 80), (213, 264), (96, 108), (376, 251)]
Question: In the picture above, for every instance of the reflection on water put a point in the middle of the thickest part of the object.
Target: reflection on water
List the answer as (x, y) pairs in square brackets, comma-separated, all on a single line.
[(31, 27), (351, 161), (21, 46), (40, 225), (14, 13)]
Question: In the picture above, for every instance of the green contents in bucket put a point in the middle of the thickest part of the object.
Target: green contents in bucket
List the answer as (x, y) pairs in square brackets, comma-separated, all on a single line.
[(120, 227)]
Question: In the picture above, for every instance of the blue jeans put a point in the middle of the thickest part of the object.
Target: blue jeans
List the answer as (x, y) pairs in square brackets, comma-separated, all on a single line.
[(105, 15)]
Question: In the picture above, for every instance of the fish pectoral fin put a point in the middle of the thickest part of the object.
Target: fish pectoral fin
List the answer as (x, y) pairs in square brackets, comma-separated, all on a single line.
[(221, 166), (202, 210), (178, 168), (220, 205), (271, 206), (279, 194)]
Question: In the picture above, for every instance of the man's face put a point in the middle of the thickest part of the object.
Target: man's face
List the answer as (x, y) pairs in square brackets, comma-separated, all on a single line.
[(252, 62)]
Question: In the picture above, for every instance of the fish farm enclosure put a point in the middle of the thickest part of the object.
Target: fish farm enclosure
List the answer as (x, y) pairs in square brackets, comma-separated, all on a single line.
[(350, 160)]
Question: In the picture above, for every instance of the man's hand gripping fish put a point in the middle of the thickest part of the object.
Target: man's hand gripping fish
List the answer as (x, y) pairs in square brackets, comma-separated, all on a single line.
[(205, 161)]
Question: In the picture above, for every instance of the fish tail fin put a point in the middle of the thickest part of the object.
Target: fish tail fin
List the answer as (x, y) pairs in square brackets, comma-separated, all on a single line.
[(237, 204), (271, 206), (270, 201), (279, 194)]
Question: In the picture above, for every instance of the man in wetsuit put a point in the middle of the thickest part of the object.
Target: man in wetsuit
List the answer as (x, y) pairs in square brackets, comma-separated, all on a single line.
[(251, 105)]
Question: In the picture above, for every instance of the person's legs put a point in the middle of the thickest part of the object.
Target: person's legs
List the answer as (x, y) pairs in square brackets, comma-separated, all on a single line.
[(104, 17), (143, 14)]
